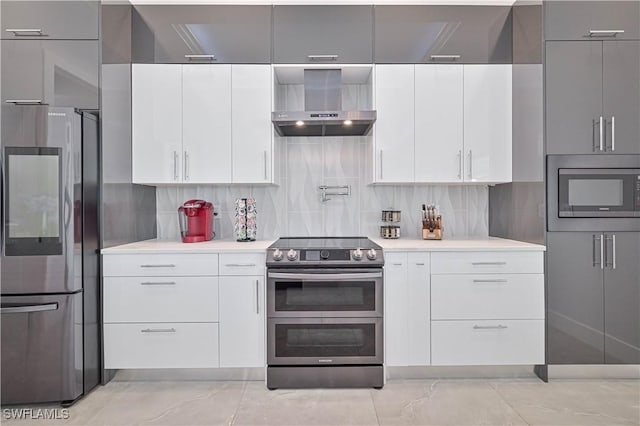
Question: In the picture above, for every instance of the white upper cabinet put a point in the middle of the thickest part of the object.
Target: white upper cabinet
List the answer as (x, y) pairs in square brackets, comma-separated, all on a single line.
[(206, 123), (439, 123), (487, 123), (157, 123), (394, 127), (202, 123), (443, 123), (251, 124)]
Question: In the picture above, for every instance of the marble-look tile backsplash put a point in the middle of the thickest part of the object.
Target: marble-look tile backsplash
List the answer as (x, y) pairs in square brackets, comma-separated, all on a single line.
[(294, 207)]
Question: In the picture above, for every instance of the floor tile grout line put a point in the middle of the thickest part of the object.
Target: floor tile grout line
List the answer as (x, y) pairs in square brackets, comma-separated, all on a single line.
[(235, 413), (502, 397), (375, 411)]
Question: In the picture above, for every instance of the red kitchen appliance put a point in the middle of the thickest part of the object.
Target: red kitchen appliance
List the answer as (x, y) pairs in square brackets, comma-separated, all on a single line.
[(196, 221)]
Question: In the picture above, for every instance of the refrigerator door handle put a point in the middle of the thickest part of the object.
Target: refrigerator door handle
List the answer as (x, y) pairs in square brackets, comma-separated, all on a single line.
[(23, 309)]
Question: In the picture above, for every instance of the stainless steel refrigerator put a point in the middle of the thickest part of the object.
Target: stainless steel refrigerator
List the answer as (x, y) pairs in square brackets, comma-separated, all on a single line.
[(49, 291)]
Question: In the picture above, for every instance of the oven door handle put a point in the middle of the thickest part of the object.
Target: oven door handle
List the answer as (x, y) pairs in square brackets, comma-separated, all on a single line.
[(325, 277)]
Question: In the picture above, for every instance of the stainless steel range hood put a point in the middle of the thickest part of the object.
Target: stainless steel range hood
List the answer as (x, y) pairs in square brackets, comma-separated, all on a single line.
[(323, 115)]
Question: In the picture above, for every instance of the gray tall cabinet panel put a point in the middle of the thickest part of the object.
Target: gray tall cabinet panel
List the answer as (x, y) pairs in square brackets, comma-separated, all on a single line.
[(201, 33), (593, 293), (581, 20), (464, 34), (592, 97), (53, 20), (315, 33)]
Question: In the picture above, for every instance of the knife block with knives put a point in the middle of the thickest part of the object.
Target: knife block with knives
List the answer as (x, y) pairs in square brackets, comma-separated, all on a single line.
[(431, 223)]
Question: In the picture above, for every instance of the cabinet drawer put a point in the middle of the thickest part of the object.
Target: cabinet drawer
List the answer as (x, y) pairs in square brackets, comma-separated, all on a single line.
[(158, 299), (161, 345), (242, 264), (514, 342), (156, 265), (487, 262), (484, 296)]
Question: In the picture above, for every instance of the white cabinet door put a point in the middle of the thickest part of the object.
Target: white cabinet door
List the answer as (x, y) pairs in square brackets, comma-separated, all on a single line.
[(242, 321), (251, 128), (394, 128), (418, 308), (487, 123), (156, 123), (206, 123), (396, 316), (438, 123)]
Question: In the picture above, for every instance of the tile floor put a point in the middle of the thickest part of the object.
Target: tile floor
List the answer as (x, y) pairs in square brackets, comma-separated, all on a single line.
[(400, 402)]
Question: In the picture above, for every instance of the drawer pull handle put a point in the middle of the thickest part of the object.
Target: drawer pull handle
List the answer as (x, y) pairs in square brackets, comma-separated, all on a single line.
[(322, 57), (24, 101), (490, 281), (489, 327), (167, 265), (158, 283), (30, 31), (420, 263), (240, 265), (397, 264), (200, 57), (158, 330), (488, 263), (605, 33), (451, 57)]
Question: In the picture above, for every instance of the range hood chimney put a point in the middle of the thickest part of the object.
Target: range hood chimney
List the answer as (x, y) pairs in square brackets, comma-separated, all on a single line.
[(323, 114)]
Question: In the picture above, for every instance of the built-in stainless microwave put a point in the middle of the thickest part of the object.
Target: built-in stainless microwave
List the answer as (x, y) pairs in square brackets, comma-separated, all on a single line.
[(593, 192)]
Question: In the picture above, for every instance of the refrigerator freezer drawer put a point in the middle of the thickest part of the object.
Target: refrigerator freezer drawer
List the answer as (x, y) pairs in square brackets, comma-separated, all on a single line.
[(41, 357)]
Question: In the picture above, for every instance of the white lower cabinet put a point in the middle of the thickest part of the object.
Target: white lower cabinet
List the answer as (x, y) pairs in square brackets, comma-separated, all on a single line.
[(407, 320), (242, 321), (487, 342), (161, 345)]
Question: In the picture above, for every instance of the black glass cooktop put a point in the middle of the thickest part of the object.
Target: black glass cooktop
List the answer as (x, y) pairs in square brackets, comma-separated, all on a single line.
[(325, 243)]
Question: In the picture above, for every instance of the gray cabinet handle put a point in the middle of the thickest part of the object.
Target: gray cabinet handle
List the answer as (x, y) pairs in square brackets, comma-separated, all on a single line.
[(200, 57), (158, 283), (450, 57), (601, 251), (613, 251), (397, 264), (166, 265), (265, 165), (158, 330), (470, 164), (380, 164), (488, 263), (240, 265), (322, 57), (613, 133), (490, 281), (28, 308), (257, 296), (186, 165), (490, 327), (24, 101), (17, 32), (460, 164), (601, 133), (605, 33), (418, 264), (175, 165), (593, 256)]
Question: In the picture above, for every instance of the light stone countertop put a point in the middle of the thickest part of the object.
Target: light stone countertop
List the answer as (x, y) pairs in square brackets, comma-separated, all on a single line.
[(260, 246), (168, 246), (454, 244)]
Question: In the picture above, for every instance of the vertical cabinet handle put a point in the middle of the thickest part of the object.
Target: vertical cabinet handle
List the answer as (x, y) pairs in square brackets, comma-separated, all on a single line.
[(460, 164), (380, 164), (601, 123), (601, 251), (186, 165), (470, 164), (175, 165), (257, 296), (265, 165), (613, 251), (613, 133)]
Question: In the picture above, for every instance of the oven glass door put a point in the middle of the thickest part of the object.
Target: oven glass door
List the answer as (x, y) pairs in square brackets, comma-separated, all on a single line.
[(597, 192), (325, 293), (325, 341)]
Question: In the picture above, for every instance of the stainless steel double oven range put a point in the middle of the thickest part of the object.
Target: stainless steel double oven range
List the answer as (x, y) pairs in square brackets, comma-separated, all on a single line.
[(324, 309)]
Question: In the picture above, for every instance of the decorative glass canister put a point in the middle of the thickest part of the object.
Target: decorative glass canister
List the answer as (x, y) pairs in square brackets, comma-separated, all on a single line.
[(245, 225)]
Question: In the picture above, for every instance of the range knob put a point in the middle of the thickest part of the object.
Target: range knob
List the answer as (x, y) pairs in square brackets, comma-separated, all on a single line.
[(371, 254), (357, 254), (292, 254), (324, 254), (277, 254)]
